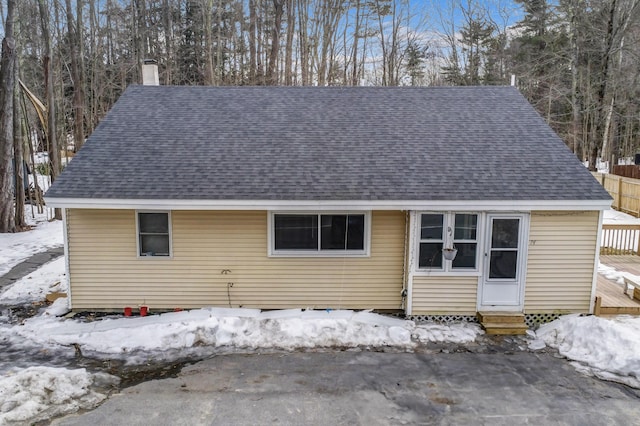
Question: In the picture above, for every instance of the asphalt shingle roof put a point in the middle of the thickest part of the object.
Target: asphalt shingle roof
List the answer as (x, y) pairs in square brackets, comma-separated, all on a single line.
[(311, 143)]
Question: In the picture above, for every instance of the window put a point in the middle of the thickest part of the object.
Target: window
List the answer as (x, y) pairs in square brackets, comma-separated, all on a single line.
[(465, 240), (337, 233), (431, 241), (447, 230), (504, 248), (153, 234)]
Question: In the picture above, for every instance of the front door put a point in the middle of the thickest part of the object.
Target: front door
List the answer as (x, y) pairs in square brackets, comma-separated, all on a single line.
[(502, 283)]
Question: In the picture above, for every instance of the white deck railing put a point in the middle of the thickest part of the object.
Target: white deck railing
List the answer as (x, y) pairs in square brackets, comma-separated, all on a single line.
[(620, 239)]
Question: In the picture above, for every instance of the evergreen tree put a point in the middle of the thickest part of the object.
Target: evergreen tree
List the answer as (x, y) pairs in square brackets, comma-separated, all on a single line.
[(415, 55), (475, 39)]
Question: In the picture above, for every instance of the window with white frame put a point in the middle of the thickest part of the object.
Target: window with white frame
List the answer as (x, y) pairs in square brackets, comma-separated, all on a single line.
[(324, 233), (441, 231), (154, 236)]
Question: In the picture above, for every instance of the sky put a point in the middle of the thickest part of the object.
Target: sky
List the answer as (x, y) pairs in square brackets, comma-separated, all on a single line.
[(436, 12), (32, 390)]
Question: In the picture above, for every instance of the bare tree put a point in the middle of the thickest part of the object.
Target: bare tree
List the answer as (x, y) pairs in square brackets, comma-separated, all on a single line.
[(7, 89), (278, 7), (288, 53), (52, 139), (18, 155), (75, 44)]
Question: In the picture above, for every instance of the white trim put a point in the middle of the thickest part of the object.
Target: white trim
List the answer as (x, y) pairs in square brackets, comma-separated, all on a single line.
[(442, 240), (448, 221), (405, 262), (269, 233), (523, 252), (596, 264), (65, 237), (450, 273), (524, 262), (321, 205), (411, 265), (366, 252), (169, 224)]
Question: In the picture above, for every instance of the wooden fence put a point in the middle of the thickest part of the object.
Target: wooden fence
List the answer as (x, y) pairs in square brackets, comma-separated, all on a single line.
[(625, 192), (627, 170), (620, 239)]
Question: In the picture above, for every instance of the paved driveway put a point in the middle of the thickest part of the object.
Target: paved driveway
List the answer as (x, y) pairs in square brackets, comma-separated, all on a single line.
[(361, 388)]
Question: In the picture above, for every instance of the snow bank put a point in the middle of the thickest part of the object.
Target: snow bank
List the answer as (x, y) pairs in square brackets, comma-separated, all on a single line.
[(16, 247), (455, 333), (174, 334), (606, 348), (244, 329), (39, 393), (35, 286), (614, 217)]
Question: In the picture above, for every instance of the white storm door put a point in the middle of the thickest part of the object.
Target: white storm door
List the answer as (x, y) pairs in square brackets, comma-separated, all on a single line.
[(502, 283)]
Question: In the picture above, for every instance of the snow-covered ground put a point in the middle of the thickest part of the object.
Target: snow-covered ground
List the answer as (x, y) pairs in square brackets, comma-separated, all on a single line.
[(614, 217), (48, 279), (14, 248), (34, 393), (172, 335), (606, 348), (39, 393)]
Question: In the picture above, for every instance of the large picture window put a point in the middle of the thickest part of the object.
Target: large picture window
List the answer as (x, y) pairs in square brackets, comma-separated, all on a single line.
[(299, 233), (154, 234), (448, 230)]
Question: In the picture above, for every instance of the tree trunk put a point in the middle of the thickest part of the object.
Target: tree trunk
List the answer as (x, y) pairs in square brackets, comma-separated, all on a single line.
[(354, 51), (219, 55), (210, 79), (168, 38), (75, 41), (601, 130), (573, 64), (81, 99), (260, 43), (7, 85), (288, 53), (383, 44), (54, 152), (272, 77), (252, 42), (303, 41), (18, 156), (141, 37)]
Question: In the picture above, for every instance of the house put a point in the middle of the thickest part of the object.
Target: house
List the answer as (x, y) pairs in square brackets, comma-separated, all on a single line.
[(332, 197)]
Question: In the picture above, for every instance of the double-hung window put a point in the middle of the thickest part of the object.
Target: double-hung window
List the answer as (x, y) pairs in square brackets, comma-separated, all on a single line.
[(441, 231), (154, 234), (323, 234)]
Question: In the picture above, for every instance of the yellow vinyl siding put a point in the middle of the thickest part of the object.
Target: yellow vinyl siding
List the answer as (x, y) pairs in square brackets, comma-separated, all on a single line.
[(442, 295), (106, 272), (561, 261)]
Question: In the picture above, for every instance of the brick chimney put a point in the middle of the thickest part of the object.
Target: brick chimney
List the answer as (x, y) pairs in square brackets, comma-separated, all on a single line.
[(150, 73)]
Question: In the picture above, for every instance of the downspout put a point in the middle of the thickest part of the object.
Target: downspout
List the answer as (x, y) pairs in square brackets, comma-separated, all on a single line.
[(410, 267), (405, 248), (596, 262)]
